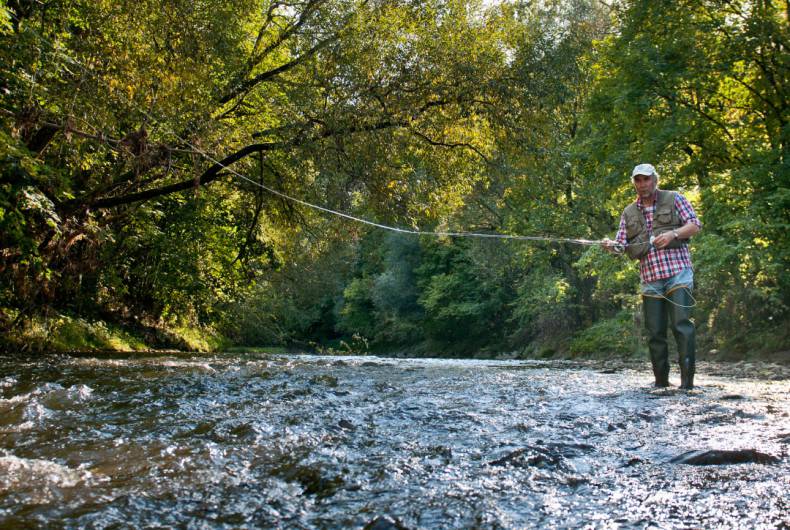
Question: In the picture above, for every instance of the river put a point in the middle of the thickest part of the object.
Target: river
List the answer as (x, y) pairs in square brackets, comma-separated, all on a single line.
[(290, 441)]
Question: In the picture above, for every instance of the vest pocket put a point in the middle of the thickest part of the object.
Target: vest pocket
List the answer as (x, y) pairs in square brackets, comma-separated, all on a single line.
[(664, 218)]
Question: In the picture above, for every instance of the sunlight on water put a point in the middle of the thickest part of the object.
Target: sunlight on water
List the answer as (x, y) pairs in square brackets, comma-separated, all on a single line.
[(333, 442)]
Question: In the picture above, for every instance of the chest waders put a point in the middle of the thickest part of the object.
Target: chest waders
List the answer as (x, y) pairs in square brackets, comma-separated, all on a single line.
[(676, 311), (674, 307)]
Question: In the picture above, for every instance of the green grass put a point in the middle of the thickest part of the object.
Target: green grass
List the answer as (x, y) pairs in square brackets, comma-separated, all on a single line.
[(199, 339), (64, 333)]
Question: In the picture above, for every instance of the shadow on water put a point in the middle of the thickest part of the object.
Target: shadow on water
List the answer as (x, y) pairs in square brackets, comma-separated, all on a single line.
[(228, 441)]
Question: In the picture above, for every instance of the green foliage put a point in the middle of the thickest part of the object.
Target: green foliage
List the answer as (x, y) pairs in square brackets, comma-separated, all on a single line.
[(65, 334), (5, 17), (616, 335), (381, 303), (542, 308), (520, 118), (357, 312), (462, 305)]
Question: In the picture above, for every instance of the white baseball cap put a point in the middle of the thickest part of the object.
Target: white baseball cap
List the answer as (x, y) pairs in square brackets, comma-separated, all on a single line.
[(644, 169)]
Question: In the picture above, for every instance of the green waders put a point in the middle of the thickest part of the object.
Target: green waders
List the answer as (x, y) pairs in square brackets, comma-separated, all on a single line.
[(677, 311), (656, 324), (683, 329)]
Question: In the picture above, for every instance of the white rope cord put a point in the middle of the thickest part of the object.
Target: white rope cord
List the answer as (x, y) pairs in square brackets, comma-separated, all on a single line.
[(657, 294), (388, 227)]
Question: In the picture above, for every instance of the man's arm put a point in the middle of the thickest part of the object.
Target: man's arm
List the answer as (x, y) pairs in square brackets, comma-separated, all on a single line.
[(616, 246)]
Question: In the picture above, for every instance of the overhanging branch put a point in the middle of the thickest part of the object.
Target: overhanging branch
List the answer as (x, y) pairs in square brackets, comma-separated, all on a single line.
[(211, 174)]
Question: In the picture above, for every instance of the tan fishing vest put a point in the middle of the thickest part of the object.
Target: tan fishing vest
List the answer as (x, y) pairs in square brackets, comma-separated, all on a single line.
[(665, 219)]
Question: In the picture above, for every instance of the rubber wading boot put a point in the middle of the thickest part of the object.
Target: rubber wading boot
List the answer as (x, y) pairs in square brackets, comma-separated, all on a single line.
[(683, 329), (655, 310)]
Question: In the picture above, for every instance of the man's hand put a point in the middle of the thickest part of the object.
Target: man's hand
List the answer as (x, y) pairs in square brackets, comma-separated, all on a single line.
[(610, 246), (664, 239)]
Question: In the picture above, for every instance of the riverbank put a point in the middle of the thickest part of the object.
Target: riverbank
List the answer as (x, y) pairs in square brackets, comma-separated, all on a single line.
[(66, 334)]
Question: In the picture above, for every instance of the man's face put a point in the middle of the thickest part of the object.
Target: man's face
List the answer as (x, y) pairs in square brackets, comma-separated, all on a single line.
[(645, 185)]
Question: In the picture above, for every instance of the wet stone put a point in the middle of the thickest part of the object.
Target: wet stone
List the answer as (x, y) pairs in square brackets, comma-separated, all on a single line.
[(648, 417), (324, 379), (440, 450), (384, 522), (530, 456), (243, 430), (345, 424), (724, 457), (296, 394), (575, 481), (312, 480), (633, 461)]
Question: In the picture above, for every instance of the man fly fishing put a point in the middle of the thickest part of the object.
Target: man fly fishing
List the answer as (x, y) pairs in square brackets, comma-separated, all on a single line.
[(655, 229)]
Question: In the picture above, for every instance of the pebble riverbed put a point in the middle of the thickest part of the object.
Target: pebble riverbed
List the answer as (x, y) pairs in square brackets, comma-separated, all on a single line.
[(291, 441)]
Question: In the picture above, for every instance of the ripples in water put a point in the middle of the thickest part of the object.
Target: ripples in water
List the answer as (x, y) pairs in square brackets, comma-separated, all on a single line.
[(232, 441)]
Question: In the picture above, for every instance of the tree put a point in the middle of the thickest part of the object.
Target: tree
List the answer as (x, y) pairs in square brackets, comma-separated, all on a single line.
[(114, 109)]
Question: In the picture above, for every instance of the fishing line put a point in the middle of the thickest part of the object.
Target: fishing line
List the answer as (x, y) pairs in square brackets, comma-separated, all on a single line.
[(482, 235), (657, 294), (204, 154)]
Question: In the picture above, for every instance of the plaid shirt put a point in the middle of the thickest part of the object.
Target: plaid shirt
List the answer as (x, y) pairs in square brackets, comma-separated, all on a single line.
[(664, 263)]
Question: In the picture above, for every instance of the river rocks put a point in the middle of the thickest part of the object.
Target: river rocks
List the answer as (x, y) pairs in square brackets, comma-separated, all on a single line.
[(527, 457), (633, 462), (552, 456), (716, 457), (384, 522), (311, 477), (646, 416), (346, 425), (324, 379)]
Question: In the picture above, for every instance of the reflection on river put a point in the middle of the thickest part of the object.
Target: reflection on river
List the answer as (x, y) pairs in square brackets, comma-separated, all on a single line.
[(239, 441)]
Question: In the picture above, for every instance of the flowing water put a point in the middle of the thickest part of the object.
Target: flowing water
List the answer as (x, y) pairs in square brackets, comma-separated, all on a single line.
[(246, 441)]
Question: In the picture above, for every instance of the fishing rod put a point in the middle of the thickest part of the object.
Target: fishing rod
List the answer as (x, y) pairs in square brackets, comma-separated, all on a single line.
[(618, 247), (197, 150)]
